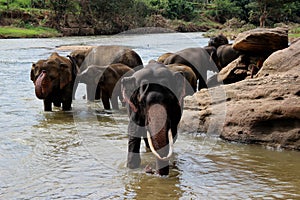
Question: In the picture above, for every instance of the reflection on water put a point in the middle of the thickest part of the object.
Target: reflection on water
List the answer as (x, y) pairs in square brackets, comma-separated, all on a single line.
[(81, 154)]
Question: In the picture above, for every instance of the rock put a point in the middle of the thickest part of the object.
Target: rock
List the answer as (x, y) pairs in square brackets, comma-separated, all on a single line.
[(233, 72), (263, 110), (283, 61), (262, 40)]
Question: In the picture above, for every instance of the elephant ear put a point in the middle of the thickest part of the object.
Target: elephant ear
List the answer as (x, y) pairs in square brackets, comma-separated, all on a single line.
[(65, 75), (128, 86), (32, 75)]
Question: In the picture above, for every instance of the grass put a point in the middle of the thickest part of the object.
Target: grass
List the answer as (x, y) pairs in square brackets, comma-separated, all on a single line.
[(31, 32)]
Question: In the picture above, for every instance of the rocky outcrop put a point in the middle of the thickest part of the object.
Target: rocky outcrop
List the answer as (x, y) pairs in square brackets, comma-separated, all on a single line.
[(262, 40), (263, 110), (254, 46)]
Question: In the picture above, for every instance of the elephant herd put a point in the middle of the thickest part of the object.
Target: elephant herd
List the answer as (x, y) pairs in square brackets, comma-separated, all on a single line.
[(152, 93)]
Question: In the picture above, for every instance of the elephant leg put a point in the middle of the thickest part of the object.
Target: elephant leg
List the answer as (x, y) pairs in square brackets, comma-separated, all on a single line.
[(97, 94), (201, 83), (66, 105), (105, 100), (114, 102), (47, 105), (134, 142), (162, 166)]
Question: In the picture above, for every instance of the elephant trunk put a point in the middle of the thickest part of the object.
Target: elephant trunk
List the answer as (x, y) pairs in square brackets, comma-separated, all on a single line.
[(159, 138), (42, 86)]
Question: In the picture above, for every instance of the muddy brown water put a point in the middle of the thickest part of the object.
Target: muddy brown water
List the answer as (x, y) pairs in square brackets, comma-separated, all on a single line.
[(81, 154)]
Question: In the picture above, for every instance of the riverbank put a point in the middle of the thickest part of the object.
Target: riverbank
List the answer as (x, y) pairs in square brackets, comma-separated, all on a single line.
[(41, 24)]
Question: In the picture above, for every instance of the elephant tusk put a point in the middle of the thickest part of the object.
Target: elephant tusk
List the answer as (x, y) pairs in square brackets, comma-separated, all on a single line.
[(170, 147)]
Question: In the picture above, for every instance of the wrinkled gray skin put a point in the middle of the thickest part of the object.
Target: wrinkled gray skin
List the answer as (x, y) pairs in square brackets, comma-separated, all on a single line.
[(103, 56), (153, 95), (226, 54), (105, 81), (196, 58)]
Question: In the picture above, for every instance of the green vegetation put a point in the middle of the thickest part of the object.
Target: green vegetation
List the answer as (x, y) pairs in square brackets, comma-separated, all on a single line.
[(109, 17), (14, 32)]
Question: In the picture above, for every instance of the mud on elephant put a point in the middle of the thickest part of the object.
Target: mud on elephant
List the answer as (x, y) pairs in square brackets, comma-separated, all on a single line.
[(153, 95), (103, 56), (54, 79), (104, 80)]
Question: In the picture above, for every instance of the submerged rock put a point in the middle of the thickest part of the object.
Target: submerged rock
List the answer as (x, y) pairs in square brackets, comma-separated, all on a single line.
[(263, 110)]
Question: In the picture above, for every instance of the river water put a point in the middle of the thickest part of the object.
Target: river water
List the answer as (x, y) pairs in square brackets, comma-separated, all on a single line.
[(81, 154)]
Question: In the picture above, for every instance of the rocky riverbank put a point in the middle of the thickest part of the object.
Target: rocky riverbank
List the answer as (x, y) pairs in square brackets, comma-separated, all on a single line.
[(262, 110)]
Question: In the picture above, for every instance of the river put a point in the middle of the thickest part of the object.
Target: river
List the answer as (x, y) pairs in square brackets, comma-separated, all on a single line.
[(81, 154)]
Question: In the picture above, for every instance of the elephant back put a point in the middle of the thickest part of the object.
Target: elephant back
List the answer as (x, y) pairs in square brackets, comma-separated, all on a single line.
[(106, 55)]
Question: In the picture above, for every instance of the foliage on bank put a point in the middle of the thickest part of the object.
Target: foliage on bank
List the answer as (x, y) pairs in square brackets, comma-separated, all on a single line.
[(84, 17)]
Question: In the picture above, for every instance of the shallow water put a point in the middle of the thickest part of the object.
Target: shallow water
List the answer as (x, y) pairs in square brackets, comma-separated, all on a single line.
[(81, 154)]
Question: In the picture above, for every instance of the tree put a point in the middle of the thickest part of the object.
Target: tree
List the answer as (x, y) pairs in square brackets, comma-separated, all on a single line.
[(225, 9)]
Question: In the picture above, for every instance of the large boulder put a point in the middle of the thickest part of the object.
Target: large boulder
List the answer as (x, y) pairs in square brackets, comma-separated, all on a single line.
[(254, 46), (262, 40), (263, 110)]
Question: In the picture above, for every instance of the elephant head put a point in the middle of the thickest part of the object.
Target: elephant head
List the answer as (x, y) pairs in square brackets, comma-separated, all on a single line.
[(78, 56), (218, 41), (49, 76), (153, 95)]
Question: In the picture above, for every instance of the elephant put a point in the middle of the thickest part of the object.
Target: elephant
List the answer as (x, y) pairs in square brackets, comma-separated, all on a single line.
[(226, 54), (163, 57), (218, 41), (79, 55), (54, 79), (212, 51), (103, 56), (105, 81), (189, 75), (153, 96), (198, 59)]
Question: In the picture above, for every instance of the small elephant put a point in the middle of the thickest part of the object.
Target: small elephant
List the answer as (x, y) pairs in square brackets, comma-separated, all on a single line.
[(153, 95), (54, 79), (226, 54), (189, 75), (196, 58), (103, 56), (218, 41), (105, 81)]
